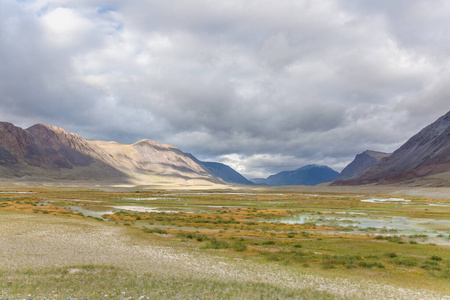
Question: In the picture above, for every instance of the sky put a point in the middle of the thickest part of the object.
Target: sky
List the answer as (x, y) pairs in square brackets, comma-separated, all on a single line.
[(263, 86)]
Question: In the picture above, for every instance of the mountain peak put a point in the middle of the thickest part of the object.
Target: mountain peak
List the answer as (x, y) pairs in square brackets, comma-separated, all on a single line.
[(306, 175), (153, 143), (361, 163), (426, 153), (44, 152)]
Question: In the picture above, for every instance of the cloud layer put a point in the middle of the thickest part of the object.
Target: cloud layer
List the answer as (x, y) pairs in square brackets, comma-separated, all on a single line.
[(262, 85)]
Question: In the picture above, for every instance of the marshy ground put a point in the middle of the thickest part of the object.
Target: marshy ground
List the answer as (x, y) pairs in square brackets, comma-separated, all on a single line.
[(60, 243)]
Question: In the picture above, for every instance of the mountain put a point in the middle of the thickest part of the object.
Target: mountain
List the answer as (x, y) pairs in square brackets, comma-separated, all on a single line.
[(306, 175), (222, 171), (259, 181), (43, 152), (423, 160), (225, 172), (361, 163)]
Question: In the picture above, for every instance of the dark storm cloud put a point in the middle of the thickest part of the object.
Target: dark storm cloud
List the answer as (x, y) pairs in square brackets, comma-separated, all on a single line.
[(261, 85)]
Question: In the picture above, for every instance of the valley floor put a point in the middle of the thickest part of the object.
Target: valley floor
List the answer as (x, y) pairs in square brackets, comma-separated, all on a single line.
[(48, 250)]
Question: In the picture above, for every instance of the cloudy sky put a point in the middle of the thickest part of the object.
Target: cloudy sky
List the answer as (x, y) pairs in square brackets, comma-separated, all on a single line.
[(263, 86)]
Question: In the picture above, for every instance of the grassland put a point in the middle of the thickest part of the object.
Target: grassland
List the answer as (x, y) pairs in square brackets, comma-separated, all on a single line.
[(60, 243)]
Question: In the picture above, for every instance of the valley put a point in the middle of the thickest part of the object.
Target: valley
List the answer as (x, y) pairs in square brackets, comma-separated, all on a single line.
[(296, 242)]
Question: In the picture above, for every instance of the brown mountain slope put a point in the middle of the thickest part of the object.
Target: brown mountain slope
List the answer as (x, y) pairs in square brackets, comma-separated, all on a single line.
[(423, 158), (361, 164), (46, 152)]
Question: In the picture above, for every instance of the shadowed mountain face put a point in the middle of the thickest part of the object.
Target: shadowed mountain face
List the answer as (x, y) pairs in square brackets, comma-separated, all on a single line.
[(38, 146), (222, 171), (361, 163), (425, 155), (307, 175), (225, 172), (47, 152)]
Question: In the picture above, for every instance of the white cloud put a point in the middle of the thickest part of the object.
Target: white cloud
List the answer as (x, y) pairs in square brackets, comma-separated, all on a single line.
[(261, 86)]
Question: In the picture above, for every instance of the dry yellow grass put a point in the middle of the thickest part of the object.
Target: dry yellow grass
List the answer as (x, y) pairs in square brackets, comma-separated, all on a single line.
[(50, 246)]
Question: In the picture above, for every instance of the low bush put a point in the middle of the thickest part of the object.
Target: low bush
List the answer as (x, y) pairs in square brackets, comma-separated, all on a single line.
[(154, 230), (291, 234), (446, 272), (393, 239), (371, 264), (238, 246), (407, 261), (436, 258), (391, 254), (215, 244), (346, 261), (431, 265)]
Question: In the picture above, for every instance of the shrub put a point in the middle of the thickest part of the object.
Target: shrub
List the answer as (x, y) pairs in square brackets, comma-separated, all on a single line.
[(298, 256), (408, 261), (239, 246), (215, 244), (291, 234), (346, 261), (391, 254), (272, 256), (446, 272), (436, 258), (154, 230), (369, 265), (414, 236), (394, 239), (268, 243), (201, 238), (431, 265)]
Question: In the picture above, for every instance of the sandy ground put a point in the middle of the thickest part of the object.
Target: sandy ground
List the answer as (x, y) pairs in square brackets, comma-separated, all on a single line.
[(41, 241), (399, 190)]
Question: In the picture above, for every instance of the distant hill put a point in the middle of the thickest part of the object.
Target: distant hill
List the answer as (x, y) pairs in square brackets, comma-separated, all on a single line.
[(224, 172), (259, 181), (43, 152), (423, 160), (306, 175), (361, 163)]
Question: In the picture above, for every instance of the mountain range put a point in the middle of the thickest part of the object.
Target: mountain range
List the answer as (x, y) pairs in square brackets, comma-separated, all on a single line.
[(423, 160), (43, 152), (306, 175)]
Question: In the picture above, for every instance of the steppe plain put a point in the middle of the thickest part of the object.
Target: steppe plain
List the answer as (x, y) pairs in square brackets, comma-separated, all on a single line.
[(236, 243)]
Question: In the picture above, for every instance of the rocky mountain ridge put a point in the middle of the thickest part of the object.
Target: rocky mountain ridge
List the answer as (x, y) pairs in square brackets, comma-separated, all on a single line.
[(306, 175), (423, 160), (361, 164), (43, 152)]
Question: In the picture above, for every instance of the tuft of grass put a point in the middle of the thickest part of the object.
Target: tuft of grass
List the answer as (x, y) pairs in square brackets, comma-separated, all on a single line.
[(154, 230), (407, 261), (348, 262), (238, 246), (369, 265), (214, 243), (436, 258), (391, 254), (393, 239), (431, 265)]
